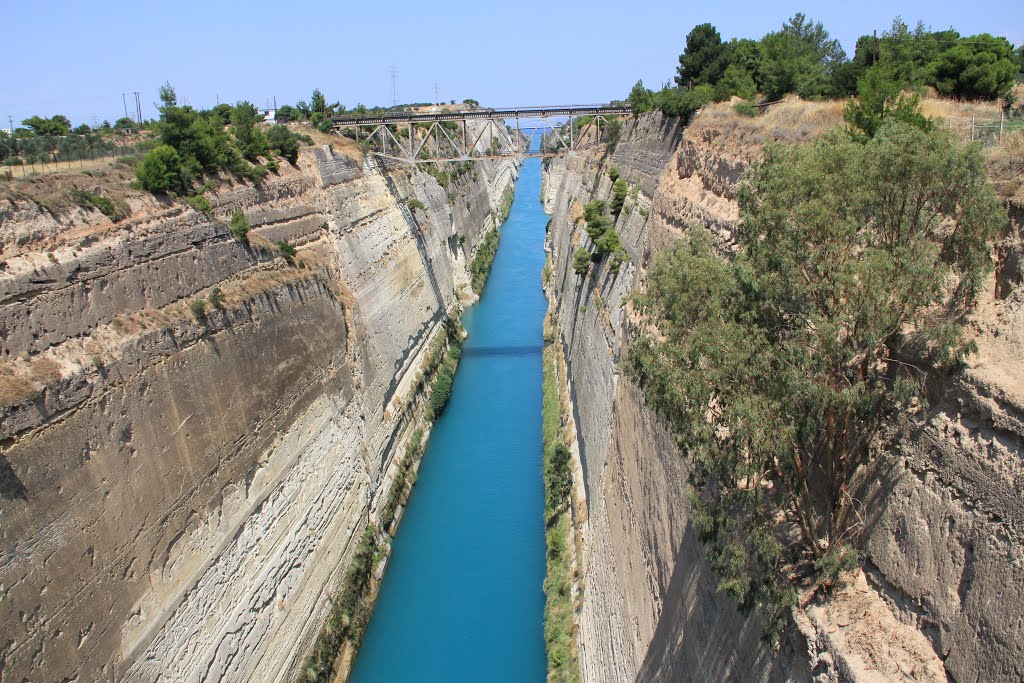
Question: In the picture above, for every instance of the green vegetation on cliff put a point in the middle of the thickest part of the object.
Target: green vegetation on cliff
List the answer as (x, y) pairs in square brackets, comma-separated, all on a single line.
[(601, 230), (559, 627), (776, 369), (480, 268), (224, 139)]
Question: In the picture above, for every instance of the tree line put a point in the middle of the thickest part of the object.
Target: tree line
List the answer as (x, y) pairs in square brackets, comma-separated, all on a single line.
[(802, 58)]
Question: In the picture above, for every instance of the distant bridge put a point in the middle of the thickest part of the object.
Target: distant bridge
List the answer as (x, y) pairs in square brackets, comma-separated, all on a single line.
[(482, 133)]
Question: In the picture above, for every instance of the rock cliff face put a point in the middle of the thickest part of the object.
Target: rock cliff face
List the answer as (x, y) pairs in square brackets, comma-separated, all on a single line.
[(180, 490), (943, 525)]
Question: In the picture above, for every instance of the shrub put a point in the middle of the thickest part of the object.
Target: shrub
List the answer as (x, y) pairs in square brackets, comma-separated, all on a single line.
[(216, 298), (106, 207), (198, 308), (619, 191), (613, 173), (745, 109), (284, 141), (199, 203), (481, 266), (415, 204), (558, 476), (287, 250), (251, 141), (162, 171), (581, 262), (240, 226)]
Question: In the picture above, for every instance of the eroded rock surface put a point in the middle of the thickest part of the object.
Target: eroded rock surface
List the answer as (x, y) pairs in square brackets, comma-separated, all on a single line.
[(941, 500), (181, 491)]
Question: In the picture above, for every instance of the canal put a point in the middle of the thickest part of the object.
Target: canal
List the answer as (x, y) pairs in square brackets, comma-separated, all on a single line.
[(462, 599)]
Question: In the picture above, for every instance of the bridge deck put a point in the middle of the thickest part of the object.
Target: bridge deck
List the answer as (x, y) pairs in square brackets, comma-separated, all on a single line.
[(470, 114)]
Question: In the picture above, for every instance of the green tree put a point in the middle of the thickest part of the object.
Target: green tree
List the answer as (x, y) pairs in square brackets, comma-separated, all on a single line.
[(846, 74), (581, 262), (284, 141), (798, 59), (980, 67), (619, 191), (240, 225), (125, 123), (286, 113), (318, 103), (702, 59), (162, 171), (776, 369), (558, 476), (736, 80), (880, 97), (245, 120), (168, 97), (222, 113), (56, 126), (682, 102), (640, 98)]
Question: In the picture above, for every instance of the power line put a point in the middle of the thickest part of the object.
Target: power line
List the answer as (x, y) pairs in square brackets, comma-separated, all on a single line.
[(394, 85)]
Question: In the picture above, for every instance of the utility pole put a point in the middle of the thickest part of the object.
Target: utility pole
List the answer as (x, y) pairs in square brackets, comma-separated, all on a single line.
[(124, 101), (138, 107), (394, 85), (437, 96)]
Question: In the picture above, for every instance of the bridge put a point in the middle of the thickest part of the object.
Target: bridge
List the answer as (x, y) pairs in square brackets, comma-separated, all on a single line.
[(512, 132)]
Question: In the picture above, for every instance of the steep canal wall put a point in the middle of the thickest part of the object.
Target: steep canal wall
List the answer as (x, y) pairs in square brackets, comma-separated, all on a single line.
[(943, 533), (183, 489)]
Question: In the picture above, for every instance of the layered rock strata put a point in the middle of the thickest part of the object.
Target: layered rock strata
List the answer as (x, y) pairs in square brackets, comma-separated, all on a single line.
[(182, 488), (941, 502)]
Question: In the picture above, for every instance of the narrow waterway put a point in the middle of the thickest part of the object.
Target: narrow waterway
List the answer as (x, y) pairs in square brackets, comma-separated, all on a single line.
[(462, 599)]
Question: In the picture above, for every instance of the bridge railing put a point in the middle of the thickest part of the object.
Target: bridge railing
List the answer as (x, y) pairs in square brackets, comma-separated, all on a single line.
[(472, 114)]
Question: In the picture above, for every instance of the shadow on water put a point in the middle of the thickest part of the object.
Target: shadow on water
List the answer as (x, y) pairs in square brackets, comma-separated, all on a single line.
[(470, 352), (11, 487)]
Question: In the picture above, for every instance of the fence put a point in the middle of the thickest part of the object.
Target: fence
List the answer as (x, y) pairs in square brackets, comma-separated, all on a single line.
[(987, 131), (47, 153)]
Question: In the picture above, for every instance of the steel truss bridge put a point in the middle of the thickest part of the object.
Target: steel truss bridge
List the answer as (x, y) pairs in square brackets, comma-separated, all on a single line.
[(518, 132)]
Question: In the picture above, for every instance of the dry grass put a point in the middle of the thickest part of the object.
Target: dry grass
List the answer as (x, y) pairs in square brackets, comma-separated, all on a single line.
[(791, 121), (576, 212), (339, 143), (22, 381), (1006, 166), (952, 111)]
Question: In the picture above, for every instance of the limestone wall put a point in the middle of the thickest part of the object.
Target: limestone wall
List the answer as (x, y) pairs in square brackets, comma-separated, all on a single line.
[(180, 494), (941, 501)]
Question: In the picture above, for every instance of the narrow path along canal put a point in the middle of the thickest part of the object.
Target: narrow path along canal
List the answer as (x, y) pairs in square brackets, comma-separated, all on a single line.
[(462, 599)]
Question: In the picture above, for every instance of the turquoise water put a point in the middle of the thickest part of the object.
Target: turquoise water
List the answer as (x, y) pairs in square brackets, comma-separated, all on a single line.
[(462, 599)]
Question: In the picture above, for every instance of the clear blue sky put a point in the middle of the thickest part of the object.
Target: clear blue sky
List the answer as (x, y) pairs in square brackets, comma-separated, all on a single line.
[(77, 59)]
